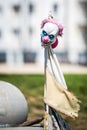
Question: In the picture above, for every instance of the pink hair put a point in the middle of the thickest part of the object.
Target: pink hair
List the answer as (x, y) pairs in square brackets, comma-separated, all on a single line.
[(60, 27)]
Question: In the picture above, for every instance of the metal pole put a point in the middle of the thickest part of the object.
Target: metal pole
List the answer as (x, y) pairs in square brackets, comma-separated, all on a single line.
[(46, 123)]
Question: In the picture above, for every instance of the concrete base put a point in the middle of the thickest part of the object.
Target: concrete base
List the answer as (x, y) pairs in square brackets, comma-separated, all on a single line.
[(22, 128)]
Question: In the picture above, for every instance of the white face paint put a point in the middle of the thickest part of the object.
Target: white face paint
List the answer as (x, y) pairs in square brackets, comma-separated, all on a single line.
[(51, 28), (49, 34)]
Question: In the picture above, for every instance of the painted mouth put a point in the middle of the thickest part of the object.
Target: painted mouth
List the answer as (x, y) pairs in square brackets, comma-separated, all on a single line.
[(46, 44)]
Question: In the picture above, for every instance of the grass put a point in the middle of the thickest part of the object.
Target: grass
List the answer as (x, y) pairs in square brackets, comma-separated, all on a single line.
[(32, 87)]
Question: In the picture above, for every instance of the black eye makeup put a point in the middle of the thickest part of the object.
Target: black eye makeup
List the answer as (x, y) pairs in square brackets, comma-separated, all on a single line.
[(51, 37), (44, 33)]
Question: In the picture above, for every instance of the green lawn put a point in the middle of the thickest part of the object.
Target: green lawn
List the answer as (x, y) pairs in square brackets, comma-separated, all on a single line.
[(32, 88)]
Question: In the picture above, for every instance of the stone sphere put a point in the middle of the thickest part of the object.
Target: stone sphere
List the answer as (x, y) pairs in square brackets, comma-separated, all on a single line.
[(13, 105)]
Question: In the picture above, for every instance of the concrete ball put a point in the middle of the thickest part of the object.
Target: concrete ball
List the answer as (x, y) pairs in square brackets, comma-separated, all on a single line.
[(13, 105)]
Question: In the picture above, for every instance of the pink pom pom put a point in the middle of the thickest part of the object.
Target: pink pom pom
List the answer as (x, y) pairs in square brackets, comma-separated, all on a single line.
[(54, 45), (60, 33)]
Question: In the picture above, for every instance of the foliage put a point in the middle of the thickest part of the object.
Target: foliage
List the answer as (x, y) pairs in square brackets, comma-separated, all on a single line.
[(32, 87)]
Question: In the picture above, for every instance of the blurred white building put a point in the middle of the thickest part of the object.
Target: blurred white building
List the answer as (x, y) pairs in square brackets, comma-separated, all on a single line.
[(20, 30)]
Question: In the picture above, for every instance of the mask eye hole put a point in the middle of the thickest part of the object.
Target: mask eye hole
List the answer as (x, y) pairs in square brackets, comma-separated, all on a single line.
[(44, 33), (51, 37)]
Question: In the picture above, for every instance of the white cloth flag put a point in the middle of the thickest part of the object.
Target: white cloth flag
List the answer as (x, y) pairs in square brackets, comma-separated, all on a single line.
[(56, 94)]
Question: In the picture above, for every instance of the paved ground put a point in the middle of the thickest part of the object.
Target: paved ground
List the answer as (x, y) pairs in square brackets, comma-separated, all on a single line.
[(36, 69)]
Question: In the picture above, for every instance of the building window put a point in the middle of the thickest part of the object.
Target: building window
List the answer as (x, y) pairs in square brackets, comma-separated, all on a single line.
[(31, 8), (62, 56), (2, 57), (84, 34), (30, 30), (83, 55), (0, 33), (29, 57), (16, 8), (84, 31), (55, 7), (16, 32), (84, 7), (0, 9)]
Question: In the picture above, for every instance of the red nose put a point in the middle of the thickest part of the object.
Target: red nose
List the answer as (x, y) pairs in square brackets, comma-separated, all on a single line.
[(45, 39)]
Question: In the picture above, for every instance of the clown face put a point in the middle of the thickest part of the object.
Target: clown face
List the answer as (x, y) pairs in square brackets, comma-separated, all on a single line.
[(49, 34)]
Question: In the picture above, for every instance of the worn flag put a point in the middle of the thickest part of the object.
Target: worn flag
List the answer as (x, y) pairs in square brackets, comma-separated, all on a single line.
[(56, 93)]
